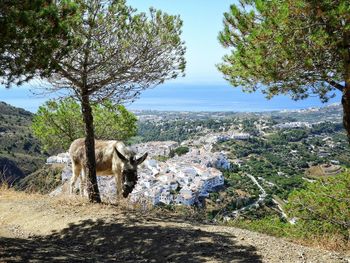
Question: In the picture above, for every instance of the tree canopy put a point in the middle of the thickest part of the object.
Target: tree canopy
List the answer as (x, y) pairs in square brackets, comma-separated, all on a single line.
[(57, 124), (299, 48), (119, 52), (31, 34)]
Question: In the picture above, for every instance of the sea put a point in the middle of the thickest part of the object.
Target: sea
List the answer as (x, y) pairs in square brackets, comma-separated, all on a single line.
[(181, 97)]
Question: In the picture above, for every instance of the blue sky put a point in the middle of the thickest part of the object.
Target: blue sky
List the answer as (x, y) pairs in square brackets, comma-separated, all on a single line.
[(202, 23)]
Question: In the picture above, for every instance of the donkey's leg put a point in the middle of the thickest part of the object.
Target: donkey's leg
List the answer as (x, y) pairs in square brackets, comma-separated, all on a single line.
[(76, 169), (118, 184), (83, 186), (117, 173)]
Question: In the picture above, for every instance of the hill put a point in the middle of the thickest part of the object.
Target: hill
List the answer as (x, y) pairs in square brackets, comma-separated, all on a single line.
[(20, 152), (36, 228)]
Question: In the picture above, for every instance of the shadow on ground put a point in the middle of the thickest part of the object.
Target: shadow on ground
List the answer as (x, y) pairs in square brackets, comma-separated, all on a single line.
[(100, 241)]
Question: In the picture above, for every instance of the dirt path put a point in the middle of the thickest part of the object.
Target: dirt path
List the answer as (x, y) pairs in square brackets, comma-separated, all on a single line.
[(42, 229), (261, 198)]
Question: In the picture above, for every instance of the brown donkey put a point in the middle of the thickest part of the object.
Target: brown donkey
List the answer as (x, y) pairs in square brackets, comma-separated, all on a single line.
[(113, 158)]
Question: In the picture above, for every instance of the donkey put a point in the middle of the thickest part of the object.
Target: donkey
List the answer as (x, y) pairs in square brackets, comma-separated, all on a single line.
[(113, 158)]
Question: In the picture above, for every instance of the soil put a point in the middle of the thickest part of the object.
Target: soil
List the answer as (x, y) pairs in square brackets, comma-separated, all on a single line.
[(36, 228)]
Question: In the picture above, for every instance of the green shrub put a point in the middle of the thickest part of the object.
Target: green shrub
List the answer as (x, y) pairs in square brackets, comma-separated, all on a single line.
[(179, 151), (323, 207), (271, 225)]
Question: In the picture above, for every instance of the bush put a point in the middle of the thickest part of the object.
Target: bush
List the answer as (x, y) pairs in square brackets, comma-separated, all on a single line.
[(179, 151), (323, 207)]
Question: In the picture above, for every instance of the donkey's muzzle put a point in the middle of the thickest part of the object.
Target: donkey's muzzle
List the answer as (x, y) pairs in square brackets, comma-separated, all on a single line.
[(127, 190)]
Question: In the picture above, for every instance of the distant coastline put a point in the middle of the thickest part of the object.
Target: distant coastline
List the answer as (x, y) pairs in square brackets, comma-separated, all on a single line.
[(185, 97)]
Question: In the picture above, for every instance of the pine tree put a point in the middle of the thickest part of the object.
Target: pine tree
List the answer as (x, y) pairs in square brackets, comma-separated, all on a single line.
[(117, 53), (300, 48)]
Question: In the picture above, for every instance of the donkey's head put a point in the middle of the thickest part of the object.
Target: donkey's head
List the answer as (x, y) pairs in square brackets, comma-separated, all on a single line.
[(129, 171)]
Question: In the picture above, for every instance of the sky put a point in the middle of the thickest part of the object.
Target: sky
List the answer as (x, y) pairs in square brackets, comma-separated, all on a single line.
[(202, 23)]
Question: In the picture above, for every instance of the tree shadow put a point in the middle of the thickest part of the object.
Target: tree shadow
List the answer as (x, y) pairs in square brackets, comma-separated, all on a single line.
[(101, 241), (139, 216)]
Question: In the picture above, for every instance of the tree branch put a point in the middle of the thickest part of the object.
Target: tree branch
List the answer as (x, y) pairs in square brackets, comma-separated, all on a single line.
[(336, 85)]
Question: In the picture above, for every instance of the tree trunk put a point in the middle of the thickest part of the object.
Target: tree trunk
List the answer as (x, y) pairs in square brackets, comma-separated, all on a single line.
[(91, 179), (346, 92), (345, 100), (346, 109)]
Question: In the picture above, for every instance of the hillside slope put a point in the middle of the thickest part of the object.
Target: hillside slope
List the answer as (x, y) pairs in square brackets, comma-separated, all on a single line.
[(42, 229), (20, 152)]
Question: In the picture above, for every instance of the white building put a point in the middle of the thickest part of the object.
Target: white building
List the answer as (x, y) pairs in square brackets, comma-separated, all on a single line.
[(240, 136), (291, 125), (186, 197), (156, 148), (59, 158), (221, 161), (166, 197)]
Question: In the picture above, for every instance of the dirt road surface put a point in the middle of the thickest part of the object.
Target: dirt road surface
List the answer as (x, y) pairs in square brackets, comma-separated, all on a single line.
[(36, 228)]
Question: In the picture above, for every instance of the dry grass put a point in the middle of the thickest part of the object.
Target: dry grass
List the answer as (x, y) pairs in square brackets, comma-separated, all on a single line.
[(314, 171), (317, 171), (331, 243), (11, 194)]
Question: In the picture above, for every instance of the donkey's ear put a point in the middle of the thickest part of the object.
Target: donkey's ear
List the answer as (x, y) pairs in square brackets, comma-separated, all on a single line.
[(121, 157), (141, 159)]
